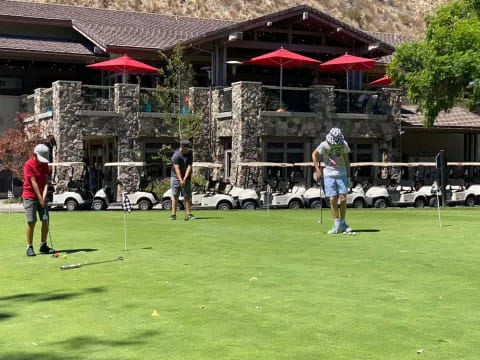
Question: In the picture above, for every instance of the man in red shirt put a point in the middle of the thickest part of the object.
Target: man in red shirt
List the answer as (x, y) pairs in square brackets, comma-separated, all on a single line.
[(35, 185)]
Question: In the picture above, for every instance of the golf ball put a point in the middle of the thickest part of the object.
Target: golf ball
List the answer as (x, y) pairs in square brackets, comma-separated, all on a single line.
[(64, 256)]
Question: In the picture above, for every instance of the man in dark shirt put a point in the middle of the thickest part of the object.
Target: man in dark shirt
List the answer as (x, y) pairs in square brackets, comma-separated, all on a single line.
[(180, 178)]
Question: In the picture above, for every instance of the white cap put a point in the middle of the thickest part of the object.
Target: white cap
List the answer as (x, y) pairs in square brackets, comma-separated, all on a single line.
[(42, 153)]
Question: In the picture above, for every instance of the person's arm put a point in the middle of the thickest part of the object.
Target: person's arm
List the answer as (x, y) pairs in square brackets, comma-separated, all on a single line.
[(178, 172), (347, 164), (37, 191), (187, 172), (316, 164)]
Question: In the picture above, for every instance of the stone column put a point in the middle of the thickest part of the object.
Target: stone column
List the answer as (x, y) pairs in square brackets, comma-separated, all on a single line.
[(67, 126), (392, 106), (322, 100), (246, 123), (200, 104), (127, 98), (37, 102)]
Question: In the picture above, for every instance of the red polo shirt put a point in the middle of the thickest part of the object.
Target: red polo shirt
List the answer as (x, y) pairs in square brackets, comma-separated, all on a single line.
[(40, 170)]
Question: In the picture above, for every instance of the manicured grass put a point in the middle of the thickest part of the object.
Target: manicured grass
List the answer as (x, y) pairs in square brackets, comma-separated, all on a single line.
[(244, 285)]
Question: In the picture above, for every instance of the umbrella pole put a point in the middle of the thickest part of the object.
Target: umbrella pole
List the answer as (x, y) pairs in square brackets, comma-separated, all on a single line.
[(348, 96), (281, 82)]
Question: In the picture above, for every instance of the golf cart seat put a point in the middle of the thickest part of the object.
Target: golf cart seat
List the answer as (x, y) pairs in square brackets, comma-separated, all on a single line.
[(456, 185), (406, 185), (76, 185), (220, 187)]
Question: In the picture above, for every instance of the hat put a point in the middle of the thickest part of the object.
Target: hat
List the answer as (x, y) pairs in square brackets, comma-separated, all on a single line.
[(335, 136), (186, 144), (42, 153)]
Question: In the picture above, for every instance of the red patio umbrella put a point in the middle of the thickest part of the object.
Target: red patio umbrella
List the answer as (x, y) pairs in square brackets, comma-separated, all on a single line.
[(386, 80), (284, 59), (347, 63), (124, 64)]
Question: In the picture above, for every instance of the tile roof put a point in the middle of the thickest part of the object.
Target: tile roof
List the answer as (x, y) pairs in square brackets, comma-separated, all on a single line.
[(118, 28), (392, 39), (147, 30), (14, 43), (455, 118)]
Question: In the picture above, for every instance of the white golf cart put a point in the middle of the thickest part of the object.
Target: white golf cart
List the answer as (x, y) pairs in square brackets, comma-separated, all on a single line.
[(211, 197), (314, 197), (73, 195), (463, 184), (280, 191), (105, 197)]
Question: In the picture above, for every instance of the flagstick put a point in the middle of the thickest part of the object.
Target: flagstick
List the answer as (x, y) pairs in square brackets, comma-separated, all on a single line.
[(125, 229)]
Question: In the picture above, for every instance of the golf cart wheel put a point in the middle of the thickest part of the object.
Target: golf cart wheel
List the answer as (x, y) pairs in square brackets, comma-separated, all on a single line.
[(294, 204), (470, 201), (316, 204), (249, 205), (224, 206), (98, 205), (144, 205), (420, 203), (359, 204), (71, 205), (167, 204), (380, 204)]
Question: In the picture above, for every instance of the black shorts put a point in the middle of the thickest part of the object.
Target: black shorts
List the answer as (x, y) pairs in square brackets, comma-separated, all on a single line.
[(32, 207)]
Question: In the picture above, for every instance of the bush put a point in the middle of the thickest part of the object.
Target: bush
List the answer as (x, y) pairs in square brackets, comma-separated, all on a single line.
[(13, 201)]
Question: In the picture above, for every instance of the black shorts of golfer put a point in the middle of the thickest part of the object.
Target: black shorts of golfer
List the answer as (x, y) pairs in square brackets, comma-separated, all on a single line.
[(180, 179), (336, 173)]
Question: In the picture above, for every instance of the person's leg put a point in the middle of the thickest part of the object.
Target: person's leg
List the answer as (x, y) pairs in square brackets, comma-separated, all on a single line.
[(187, 193), (31, 216), (44, 231), (175, 187), (331, 192), (334, 207), (174, 205), (342, 186), (343, 205)]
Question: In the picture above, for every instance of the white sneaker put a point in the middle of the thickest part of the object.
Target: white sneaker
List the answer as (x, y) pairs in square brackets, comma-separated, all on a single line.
[(336, 229)]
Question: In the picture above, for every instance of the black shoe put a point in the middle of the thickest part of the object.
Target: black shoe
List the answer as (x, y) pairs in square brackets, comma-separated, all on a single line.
[(30, 251), (172, 217), (44, 249), (190, 217)]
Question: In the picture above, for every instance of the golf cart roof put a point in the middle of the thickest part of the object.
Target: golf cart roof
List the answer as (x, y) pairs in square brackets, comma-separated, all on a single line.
[(125, 163), (307, 164), (264, 164), (470, 163), (207, 165), (71, 163)]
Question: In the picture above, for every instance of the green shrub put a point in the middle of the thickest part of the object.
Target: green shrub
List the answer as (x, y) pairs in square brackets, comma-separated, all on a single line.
[(13, 201), (160, 186)]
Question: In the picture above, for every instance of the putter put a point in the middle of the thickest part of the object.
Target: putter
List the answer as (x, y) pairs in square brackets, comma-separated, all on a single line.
[(46, 215), (75, 266)]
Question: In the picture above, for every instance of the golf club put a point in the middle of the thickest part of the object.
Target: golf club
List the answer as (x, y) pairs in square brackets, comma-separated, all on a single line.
[(75, 266), (46, 216), (321, 200)]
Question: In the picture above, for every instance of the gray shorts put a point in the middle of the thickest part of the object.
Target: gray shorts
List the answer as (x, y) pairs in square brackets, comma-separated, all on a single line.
[(186, 191), (32, 206)]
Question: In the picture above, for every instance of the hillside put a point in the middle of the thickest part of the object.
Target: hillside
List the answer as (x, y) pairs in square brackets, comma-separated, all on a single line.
[(392, 16)]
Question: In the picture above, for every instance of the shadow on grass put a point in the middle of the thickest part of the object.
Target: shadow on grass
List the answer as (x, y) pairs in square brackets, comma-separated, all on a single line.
[(366, 230), (34, 356), (82, 342), (5, 316), (51, 295), (207, 218), (71, 251)]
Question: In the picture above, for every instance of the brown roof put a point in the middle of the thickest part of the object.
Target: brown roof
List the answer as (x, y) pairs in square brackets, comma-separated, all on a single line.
[(118, 28), (392, 39), (14, 43), (111, 28), (455, 118)]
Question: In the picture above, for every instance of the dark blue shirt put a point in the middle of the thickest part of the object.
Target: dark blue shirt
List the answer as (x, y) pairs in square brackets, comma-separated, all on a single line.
[(183, 161)]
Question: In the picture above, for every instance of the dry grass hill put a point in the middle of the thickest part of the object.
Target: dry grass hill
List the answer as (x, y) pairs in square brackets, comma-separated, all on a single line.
[(393, 16)]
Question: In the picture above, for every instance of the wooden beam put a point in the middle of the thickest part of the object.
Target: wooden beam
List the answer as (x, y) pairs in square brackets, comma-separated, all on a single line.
[(246, 44), (293, 32)]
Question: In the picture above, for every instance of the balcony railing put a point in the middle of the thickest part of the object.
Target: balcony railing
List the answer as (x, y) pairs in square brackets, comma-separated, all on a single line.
[(46, 103), (293, 99), (98, 98), (161, 100), (225, 100), (360, 102)]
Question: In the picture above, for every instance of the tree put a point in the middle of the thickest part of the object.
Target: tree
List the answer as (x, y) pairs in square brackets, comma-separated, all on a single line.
[(444, 68), (178, 78), (16, 146)]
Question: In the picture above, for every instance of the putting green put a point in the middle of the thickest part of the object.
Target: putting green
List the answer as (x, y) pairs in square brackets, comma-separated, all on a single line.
[(244, 285)]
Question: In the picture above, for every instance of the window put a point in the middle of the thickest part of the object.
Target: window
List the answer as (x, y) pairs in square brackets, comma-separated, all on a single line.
[(285, 152)]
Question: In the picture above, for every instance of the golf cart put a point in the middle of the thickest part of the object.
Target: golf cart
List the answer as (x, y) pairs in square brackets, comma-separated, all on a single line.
[(280, 192), (105, 197), (463, 184), (211, 197), (73, 195), (314, 197)]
